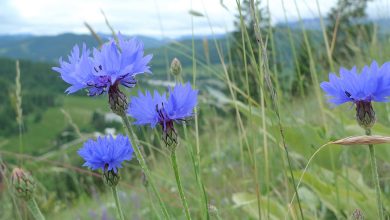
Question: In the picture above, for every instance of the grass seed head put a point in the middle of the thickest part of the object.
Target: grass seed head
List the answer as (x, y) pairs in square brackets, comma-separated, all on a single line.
[(363, 140)]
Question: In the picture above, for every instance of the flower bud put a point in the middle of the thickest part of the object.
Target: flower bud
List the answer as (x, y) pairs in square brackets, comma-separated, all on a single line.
[(23, 184), (365, 114), (117, 100), (169, 135), (176, 67), (111, 178)]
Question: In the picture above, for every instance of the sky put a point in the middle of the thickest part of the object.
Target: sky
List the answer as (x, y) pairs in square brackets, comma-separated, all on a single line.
[(157, 18)]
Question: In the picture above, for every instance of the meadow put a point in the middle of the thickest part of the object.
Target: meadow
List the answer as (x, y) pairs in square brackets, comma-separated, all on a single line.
[(260, 144)]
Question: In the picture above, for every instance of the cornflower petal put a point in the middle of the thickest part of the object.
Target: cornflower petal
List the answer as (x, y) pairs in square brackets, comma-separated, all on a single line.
[(106, 153), (114, 64), (371, 84)]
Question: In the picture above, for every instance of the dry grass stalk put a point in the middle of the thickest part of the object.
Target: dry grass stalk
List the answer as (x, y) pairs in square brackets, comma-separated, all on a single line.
[(363, 140)]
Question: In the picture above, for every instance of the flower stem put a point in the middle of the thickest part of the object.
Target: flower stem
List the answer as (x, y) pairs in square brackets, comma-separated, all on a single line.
[(179, 186), (375, 177), (143, 165), (117, 203), (34, 209)]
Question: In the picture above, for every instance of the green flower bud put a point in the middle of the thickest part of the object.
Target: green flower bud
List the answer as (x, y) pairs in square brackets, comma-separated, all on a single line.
[(365, 114), (117, 100), (176, 67), (111, 178), (23, 184)]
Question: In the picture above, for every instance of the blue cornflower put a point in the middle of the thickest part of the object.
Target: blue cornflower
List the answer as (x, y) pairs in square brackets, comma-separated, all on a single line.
[(372, 84), (112, 65), (116, 63), (158, 109), (106, 153)]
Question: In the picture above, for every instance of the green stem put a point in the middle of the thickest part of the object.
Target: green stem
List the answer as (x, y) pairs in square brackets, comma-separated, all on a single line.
[(143, 165), (117, 203), (375, 177), (195, 165), (179, 186), (293, 182), (34, 209)]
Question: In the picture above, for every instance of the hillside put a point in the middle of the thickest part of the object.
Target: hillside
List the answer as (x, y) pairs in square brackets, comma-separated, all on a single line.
[(50, 48)]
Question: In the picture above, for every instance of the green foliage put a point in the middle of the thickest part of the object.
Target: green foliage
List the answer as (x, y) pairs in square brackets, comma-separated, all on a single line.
[(302, 80), (99, 122), (349, 27), (248, 202), (243, 67), (40, 89), (352, 193)]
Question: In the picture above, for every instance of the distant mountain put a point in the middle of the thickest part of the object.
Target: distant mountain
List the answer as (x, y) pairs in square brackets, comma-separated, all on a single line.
[(201, 37), (310, 24), (383, 25), (315, 24), (50, 48)]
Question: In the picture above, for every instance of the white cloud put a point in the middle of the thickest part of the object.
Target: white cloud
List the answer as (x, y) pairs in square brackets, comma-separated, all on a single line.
[(142, 16)]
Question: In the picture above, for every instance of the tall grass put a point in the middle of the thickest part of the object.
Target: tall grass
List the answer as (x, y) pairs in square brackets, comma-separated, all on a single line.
[(18, 106)]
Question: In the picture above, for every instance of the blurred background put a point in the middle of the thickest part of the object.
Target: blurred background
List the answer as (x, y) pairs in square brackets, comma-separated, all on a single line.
[(237, 53)]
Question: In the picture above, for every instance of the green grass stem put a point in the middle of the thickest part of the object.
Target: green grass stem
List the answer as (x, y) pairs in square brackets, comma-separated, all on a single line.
[(375, 178), (117, 203), (143, 164), (34, 209), (179, 184)]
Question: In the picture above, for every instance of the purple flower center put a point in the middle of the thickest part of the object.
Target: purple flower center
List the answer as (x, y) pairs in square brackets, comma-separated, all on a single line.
[(169, 133), (100, 82)]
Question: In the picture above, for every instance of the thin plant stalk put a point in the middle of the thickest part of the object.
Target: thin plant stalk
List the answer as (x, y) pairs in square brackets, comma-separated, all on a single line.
[(294, 53), (160, 24), (244, 54), (155, 211), (196, 165), (194, 85), (331, 64), (179, 185), (34, 209), (326, 41), (204, 200), (117, 203), (253, 62), (18, 106), (275, 104), (197, 141), (143, 165), (313, 70), (273, 52), (232, 89), (265, 72), (375, 177)]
